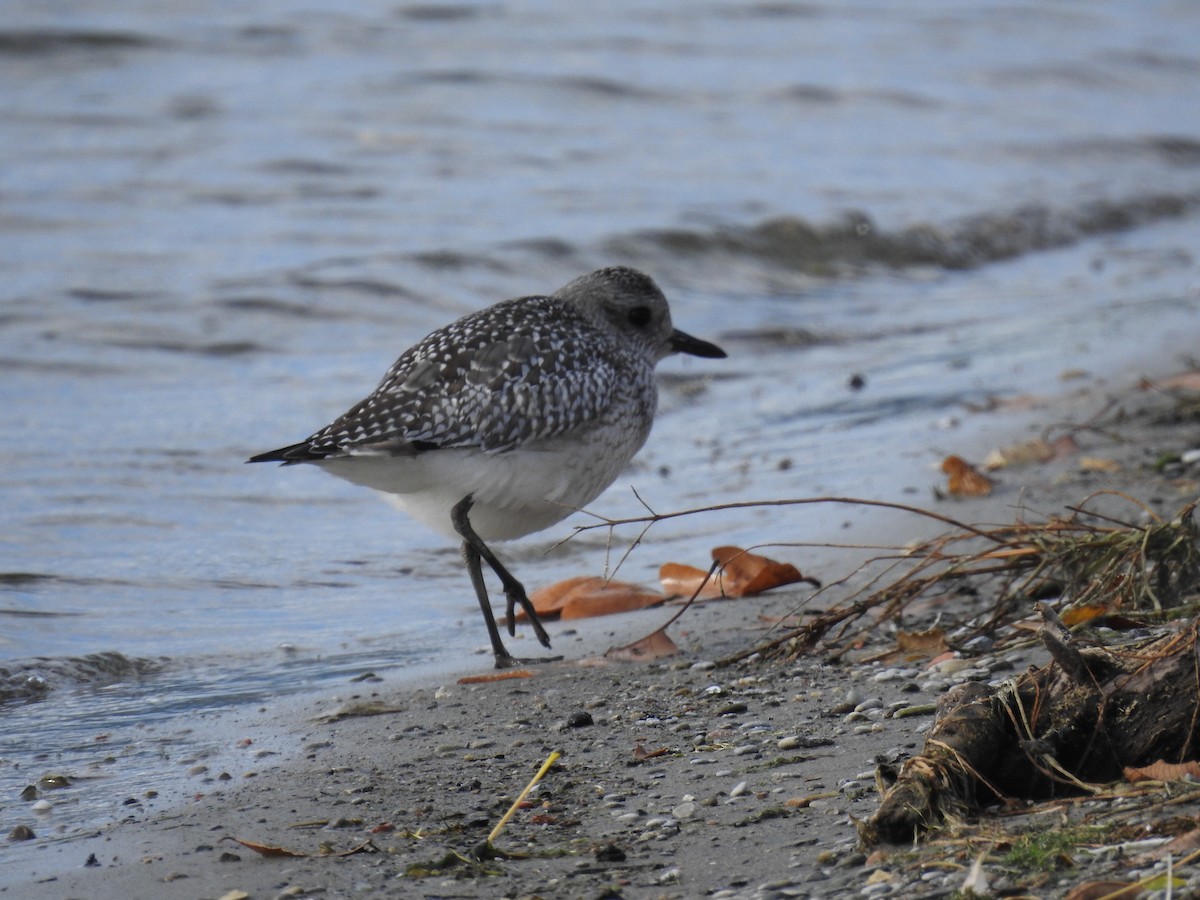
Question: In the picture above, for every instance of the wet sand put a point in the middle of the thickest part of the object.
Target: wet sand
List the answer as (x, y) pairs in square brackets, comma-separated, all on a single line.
[(678, 778)]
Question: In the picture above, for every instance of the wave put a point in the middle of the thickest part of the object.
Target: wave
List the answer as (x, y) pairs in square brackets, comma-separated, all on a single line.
[(855, 243), (34, 678)]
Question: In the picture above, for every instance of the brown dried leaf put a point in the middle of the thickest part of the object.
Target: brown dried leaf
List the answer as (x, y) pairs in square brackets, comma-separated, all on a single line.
[(682, 581), (266, 849), (606, 599), (489, 677), (1099, 464), (963, 480), (930, 642), (1079, 614), (1162, 771), (578, 598), (744, 574), (655, 645), (1184, 381), (640, 752)]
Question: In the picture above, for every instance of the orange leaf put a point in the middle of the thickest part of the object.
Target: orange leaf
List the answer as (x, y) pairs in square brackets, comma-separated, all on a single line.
[(1162, 771), (1077, 614), (578, 598), (744, 573), (640, 752), (655, 645), (1186, 381), (265, 849), (606, 599), (932, 641), (550, 599), (964, 480), (680, 580), (489, 677), (1099, 464)]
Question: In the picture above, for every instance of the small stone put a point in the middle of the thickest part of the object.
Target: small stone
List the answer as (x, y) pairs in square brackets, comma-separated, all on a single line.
[(789, 743), (921, 709), (21, 833), (580, 719), (30, 793), (738, 789), (684, 810)]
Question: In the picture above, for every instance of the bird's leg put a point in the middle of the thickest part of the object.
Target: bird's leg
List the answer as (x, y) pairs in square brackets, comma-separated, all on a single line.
[(504, 660), (474, 549)]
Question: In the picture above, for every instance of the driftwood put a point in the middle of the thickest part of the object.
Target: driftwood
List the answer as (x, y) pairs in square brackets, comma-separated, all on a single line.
[(1052, 731)]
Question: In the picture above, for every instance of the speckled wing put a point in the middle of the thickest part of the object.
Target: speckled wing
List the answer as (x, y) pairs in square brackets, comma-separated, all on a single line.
[(518, 371)]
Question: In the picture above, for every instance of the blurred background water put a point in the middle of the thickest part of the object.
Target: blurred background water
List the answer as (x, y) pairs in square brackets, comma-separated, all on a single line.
[(220, 222)]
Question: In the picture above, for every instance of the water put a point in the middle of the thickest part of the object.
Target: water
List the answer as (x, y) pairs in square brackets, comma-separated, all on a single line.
[(220, 222)]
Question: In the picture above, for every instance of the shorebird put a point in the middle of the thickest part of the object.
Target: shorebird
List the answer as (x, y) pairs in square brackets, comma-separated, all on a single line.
[(510, 419)]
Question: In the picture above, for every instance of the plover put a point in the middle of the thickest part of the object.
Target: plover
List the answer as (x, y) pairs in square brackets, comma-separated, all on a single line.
[(510, 419)]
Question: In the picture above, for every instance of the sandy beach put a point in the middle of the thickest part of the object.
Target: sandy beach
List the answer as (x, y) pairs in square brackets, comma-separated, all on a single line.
[(681, 777)]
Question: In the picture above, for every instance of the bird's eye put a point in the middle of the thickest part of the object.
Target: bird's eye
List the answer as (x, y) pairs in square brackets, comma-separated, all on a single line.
[(639, 316)]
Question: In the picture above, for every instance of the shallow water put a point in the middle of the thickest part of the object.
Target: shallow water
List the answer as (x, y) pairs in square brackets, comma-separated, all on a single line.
[(221, 223)]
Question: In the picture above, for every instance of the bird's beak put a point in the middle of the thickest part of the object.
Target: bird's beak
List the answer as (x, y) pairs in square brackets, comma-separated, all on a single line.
[(679, 342)]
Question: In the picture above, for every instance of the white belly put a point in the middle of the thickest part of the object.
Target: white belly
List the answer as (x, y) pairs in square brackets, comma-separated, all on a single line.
[(514, 493)]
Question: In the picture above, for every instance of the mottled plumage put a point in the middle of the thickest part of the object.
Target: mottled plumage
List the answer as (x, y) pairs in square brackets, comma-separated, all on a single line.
[(511, 418)]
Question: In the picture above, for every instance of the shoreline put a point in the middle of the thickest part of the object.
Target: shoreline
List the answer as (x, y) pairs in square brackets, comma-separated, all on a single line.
[(763, 763)]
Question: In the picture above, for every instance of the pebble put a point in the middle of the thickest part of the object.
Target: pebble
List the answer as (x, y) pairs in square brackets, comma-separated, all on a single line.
[(704, 665), (791, 742), (920, 709), (879, 889), (684, 810), (978, 645), (738, 789), (952, 665)]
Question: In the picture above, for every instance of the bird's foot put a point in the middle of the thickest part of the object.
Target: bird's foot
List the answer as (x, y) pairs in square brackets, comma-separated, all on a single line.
[(515, 593), (508, 661)]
